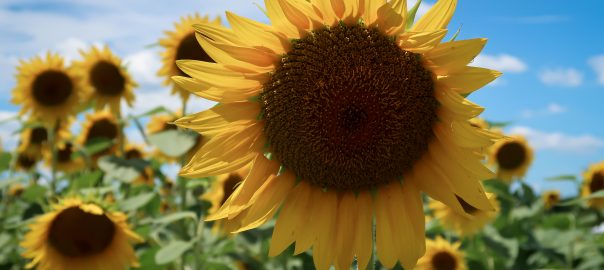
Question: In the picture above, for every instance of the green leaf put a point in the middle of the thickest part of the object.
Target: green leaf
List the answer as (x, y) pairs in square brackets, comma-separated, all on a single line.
[(34, 193), (5, 159), (137, 202), (172, 251), (8, 182), (122, 169), (176, 216), (156, 110), (596, 195), (173, 143), (569, 177), (94, 146), (147, 259), (456, 33), (411, 14), (87, 180)]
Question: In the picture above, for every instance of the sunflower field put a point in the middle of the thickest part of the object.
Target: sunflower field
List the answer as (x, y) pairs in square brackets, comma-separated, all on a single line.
[(341, 134)]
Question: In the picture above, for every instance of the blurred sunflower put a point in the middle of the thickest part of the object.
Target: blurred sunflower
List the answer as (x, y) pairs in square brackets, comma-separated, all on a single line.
[(442, 255), (80, 235), (360, 114), (107, 80), (467, 223), (137, 152), (98, 126), (167, 186), (592, 183), (66, 162), (15, 190), (36, 138), (512, 156), (47, 89), (27, 159), (550, 198), (221, 189), (181, 43)]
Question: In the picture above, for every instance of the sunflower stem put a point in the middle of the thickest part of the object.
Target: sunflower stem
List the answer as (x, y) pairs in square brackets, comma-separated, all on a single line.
[(122, 136), (53, 154)]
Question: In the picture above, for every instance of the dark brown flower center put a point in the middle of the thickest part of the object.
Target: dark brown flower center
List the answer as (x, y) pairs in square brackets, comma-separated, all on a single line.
[(134, 154), (52, 88), (597, 182), (466, 206), (25, 161), (511, 155), (229, 186), (75, 233), (64, 153), (444, 260), (107, 79), (348, 109), (553, 197), (190, 49), (38, 135), (102, 129)]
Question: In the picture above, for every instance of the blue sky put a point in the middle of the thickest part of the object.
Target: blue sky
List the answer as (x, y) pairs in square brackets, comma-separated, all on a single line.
[(550, 51)]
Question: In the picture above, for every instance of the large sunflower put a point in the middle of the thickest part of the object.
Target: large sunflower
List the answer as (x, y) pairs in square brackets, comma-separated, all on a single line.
[(346, 116), (442, 255), (47, 88), (467, 223), (181, 44), (80, 235), (107, 80), (100, 125), (593, 181), (512, 156)]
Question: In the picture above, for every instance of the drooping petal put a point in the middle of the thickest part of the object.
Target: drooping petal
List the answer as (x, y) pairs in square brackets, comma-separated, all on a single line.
[(453, 56), (421, 42), (437, 17), (469, 79)]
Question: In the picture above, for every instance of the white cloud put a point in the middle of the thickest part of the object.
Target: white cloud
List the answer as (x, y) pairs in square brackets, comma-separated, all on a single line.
[(551, 109), (7, 139), (555, 108), (70, 48), (597, 64), (558, 141), (143, 66), (564, 77), (501, 62)]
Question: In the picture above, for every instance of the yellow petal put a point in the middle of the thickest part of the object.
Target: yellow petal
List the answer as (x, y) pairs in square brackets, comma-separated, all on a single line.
[(437, 17), (363, 241), (453, 56), (221, 116), (217, 33), (435, 184), (279, 20), (326, 218), (258, 34), (290, 215), (325, 10), (389, 21), (421, 42), (412, 226), (238, 56), (386, 244), (223, 95), (214, 74), (345, 234), (469, 79), (462, 108), (371, 9), (307, 231), (300, 13)]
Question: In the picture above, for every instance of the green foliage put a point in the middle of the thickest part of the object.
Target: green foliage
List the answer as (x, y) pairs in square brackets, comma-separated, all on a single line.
[(173, 143)]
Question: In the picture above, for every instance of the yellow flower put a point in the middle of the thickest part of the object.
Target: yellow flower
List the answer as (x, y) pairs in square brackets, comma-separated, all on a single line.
[(464, 224), (80, 235), (593, 181), (550, 198), (15, 190), (100, 125), (442, 255), (36, 138), (65, 161), (107, 80), (512, 156), (27, 159), (47, 89), (221, 190), (345, 116), (181, 44)]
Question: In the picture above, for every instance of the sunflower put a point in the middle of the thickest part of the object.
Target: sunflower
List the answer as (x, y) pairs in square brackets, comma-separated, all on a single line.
[(550, 198), (512, 156), (592, 183), (100, 125), (467, 223), (346, 113), (221, 189), (181, 44), (80, 235), (442, 255), (107, 80), (136, 152), (66, 162), (27, 159), (15, 190), (47, 89)]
